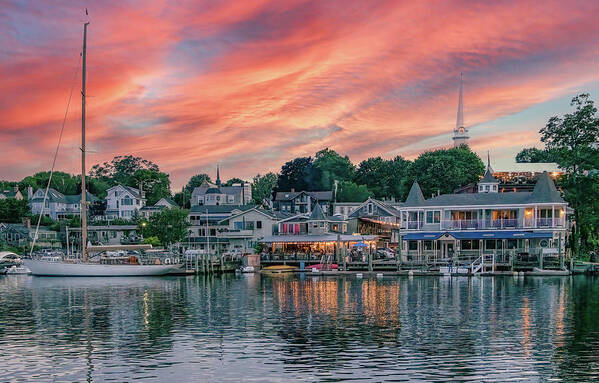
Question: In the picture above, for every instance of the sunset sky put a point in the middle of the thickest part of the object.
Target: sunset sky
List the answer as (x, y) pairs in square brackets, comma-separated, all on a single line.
[(250, 84)]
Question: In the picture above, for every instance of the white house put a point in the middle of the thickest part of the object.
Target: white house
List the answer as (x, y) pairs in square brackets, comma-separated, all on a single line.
[(123, 202), (8, 193), (163, 203)]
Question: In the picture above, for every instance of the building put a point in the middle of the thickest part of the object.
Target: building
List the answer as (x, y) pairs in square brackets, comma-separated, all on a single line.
[(124, 202), (21, 235), (485, 223), (374, 217), (11, 193), (302, 202), (460, 133), (217, 194), (105, 235), (249, 227), (163, 203), (207, 224), (309, 236), (58, 206)]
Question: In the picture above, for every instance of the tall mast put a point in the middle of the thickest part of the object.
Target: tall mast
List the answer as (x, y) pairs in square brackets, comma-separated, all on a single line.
[(83, 187)]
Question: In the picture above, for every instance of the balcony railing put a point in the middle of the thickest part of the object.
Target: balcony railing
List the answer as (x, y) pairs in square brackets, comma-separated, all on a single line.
[(484, 224)]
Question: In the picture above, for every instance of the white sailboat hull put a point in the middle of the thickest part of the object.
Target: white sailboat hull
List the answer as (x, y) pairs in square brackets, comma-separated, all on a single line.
[(63, 269)]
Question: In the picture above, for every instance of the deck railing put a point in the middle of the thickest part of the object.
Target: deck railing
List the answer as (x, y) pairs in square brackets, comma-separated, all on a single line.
[(484, 224)]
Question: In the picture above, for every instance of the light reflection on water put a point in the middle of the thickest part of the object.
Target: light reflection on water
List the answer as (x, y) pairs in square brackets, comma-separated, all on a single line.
[(290, 328)]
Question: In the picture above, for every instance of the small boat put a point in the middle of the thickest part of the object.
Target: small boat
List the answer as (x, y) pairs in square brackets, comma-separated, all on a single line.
[(16, 270), (320, 266), (248, 269), (277, 269)]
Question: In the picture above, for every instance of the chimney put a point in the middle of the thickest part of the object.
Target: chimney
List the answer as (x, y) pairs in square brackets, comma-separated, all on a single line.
[(292, 190), (29, 192)]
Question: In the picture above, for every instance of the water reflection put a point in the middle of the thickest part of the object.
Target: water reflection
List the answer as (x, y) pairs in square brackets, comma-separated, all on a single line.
[(225, 328)]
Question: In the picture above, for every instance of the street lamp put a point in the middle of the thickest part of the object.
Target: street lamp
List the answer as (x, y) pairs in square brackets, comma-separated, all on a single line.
[(143, 224)]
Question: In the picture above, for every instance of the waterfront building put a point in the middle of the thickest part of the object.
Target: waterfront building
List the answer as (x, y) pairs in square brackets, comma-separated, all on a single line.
[(485, 223), (58, 206), (302, 202), (207, 224), (21, 235), (313, 234), (124, 202), (246, 228), (11, 193), (163, 203), (106, 235), (374, 217)]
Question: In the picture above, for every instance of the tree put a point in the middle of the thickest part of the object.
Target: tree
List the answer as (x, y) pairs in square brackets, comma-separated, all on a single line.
[(169, 226), (154, 241), (299, 174), (350, 192), (156, 184), (13, 210), (121, 168), (575, 139), (233, 181), (385, 178), (534, 155), (131, 171), (262, 186), (61, 181), (445, 170), (333, 167)]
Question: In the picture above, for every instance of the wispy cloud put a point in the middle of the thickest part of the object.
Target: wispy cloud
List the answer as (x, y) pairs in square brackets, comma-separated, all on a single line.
[(251, 84)]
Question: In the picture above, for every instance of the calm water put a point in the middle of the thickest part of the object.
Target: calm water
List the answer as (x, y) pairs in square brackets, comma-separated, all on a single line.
[(257, 329)]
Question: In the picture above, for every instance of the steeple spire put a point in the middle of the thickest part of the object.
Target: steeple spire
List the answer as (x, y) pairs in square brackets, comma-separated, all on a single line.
[(217, 175), (460, 133)]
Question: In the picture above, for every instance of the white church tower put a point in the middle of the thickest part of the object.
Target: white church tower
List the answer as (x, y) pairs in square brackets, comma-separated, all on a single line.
[(460, 133)]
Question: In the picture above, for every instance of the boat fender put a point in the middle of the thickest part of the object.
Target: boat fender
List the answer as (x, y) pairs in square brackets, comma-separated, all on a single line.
[(167, 261)]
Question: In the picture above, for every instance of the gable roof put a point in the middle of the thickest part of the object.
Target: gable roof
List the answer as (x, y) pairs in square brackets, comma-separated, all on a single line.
[(317, 213), (317, 195), (9, 193), (270, 214), (415, 197), (168, 201), (380, 204), (55, 196)]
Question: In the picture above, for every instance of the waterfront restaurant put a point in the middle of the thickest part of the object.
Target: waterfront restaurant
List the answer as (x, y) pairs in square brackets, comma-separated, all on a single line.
[(310, 236), (504, 225)]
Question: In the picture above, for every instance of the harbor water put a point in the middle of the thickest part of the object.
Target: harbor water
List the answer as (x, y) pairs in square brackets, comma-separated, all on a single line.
[(257, 328)]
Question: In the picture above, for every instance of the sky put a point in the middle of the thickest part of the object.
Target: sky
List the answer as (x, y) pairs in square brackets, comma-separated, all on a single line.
[(251, 84)]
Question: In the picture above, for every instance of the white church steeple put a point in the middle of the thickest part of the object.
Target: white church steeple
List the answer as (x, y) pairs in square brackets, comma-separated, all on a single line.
[(460, 133)]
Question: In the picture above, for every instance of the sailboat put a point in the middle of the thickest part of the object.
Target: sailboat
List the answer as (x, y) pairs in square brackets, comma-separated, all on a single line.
[(54, 266)]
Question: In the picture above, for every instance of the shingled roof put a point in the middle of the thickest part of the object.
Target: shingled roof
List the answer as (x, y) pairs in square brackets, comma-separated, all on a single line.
[(415, 197), (545, 190)]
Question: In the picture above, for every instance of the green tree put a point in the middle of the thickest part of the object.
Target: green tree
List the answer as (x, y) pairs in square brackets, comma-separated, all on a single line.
[(154, 241), (535, 155), (333, 167), (156, 184), (233, 181), (350, 192), (262, 186), (385, 178), (13, 210), (169, 226), (120, 169), (575, 139), (445, 170), (299, 174), (196, 181), (61, 181)]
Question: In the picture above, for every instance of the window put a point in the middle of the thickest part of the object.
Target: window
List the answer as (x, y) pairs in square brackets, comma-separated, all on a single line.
[(238, 225), (433, 216), (212, 232), (370, 208), (412, 245), (493, 244), (258, 224), (470, 244), (512, 243), (428, 245)]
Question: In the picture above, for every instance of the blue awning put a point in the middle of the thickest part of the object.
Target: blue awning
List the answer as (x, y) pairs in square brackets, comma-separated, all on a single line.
[(498, 234)]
